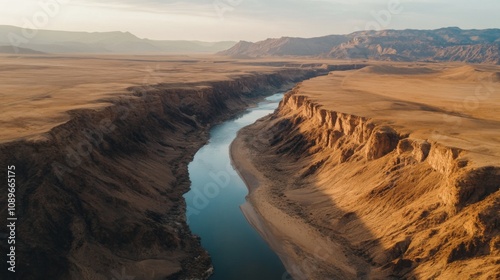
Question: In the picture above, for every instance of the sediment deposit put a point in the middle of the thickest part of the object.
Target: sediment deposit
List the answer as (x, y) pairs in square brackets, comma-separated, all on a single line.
[(389, 172)]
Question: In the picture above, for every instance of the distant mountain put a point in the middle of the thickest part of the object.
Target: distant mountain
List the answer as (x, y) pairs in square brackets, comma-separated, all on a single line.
[(50, 41), (13, 50), (445, 44), (286, 46)]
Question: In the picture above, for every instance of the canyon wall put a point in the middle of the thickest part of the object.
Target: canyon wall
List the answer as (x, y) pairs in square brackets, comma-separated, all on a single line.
[(100, 196), (387, 205), (347, 134)]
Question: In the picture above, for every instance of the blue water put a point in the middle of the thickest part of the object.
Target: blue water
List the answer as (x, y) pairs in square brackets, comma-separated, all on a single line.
[(213, 206)]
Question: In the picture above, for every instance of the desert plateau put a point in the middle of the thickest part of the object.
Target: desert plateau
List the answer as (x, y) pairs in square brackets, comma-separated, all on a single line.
[(249, 140), (368, 170)]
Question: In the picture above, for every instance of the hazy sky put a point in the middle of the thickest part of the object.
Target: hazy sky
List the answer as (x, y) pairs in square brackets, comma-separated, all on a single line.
[(251, 20)]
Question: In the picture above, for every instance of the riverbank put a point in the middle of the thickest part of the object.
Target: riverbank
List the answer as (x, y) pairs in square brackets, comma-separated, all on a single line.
[(367, 174), (102, 173), (306, 252)]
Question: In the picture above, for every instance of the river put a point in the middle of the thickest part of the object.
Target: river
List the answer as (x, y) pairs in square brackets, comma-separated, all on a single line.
[(213, 206)]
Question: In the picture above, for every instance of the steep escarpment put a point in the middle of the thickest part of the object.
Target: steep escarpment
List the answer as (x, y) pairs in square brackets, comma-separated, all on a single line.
[(348, 134), (367, 197), (100, 196)]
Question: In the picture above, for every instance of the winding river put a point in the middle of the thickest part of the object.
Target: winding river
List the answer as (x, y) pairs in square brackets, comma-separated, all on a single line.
[(213, 206)]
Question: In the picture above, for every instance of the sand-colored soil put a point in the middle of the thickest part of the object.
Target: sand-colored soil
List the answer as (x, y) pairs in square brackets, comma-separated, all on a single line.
[(388, 172), (38, 91)]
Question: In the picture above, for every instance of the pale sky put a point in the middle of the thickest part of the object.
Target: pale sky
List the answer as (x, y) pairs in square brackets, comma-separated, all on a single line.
[(251, 20)]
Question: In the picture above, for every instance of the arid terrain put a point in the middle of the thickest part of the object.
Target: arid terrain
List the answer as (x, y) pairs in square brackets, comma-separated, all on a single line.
[(249, 140), (387, 172), (101, 146), (367, 169), (39, 91)]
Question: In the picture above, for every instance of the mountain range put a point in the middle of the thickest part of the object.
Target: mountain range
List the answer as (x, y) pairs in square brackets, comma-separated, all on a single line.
[(18, 40), (445, 44)]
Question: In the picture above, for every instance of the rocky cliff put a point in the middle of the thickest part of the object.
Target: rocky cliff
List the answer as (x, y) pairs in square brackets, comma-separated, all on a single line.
[(100, 196), (370, 200)]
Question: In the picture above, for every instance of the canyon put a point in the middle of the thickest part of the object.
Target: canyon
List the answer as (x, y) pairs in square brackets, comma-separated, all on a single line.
[(101, 152), (367, 170)]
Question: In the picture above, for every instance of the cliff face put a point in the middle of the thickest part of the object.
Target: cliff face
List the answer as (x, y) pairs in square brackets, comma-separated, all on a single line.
[(347, 134), (391, 206), (101, 195)]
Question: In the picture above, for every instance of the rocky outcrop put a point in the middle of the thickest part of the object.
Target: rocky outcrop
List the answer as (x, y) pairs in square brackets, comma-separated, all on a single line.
[(101, 195)]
